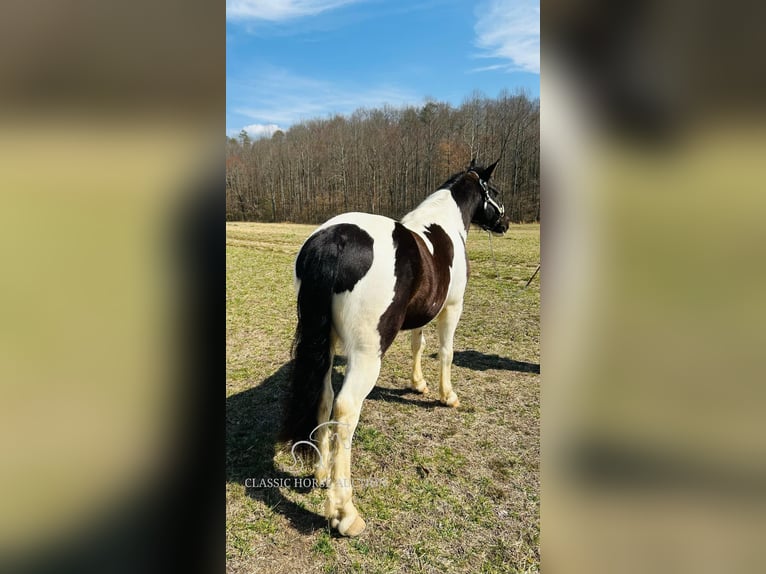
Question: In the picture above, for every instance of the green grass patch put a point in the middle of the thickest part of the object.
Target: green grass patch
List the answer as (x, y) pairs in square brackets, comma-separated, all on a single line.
[(323, 544)]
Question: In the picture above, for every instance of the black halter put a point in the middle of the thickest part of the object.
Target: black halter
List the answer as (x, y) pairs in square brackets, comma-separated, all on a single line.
[(489, 201)]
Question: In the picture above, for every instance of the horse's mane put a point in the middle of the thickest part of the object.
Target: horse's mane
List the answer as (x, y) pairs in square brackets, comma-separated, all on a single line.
[(451, 180), (455, 176)]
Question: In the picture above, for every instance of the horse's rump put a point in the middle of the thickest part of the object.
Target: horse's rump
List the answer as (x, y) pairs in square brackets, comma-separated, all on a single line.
[(331, 261)]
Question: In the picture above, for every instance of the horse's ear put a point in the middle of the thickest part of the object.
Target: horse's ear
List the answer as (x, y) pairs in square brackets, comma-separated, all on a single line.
[(473, 163), (488, 171)]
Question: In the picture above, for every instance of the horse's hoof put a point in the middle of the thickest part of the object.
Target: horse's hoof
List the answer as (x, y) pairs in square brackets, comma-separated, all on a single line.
[(452, 401), (419, 386), (356, 528)]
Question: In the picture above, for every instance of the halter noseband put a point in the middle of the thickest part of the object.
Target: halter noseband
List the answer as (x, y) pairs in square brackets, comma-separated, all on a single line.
[(489, 201)]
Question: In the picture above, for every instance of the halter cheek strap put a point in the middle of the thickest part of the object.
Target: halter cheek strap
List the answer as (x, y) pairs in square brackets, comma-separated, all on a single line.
[(488, 199)]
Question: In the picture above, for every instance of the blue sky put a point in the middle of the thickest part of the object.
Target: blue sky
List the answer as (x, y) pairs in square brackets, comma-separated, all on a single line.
[(293, 60)]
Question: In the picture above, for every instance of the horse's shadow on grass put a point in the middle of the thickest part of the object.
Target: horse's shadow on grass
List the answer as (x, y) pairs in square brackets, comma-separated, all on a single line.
[(482, 362), (404, 396), (253, 419), (469, 359)]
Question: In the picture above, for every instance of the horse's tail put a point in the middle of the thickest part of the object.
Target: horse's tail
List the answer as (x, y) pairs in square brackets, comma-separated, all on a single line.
[(316, 268)]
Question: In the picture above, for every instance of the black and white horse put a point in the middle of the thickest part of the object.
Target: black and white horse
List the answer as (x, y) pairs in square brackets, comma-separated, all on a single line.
[(361, 279)]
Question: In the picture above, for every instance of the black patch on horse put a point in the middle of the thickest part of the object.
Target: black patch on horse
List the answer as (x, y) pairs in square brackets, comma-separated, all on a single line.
[(422, 281), (343, 251)]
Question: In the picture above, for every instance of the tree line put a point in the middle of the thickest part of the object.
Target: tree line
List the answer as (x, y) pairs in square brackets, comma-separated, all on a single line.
[(385, 160)]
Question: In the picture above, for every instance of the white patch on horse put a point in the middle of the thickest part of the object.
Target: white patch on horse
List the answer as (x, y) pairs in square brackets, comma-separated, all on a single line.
[(355, 310), (439, 208)]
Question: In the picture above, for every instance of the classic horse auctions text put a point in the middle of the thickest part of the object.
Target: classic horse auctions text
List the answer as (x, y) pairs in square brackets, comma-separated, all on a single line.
[(309, 482)]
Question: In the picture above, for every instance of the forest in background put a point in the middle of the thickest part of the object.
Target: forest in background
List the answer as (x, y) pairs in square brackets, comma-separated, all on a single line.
[(385, 160)]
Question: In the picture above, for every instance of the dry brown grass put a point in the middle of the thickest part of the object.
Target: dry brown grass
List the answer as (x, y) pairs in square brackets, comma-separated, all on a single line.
[(459, 489)]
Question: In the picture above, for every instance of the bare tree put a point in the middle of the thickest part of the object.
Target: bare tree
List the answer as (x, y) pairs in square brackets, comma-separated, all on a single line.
[(385, 160)]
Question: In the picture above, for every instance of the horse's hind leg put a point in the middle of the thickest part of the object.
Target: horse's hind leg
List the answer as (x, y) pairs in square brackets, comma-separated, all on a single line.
[(446, 325), (362, 372), (323, 432), (417, 341)]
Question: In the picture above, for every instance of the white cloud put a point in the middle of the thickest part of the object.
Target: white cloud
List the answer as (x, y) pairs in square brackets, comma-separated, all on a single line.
[(510, 30), (277, 10), (255, 131), (277, 96)]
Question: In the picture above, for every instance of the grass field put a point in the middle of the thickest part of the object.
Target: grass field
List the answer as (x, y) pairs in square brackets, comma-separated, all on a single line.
[(457, 491)]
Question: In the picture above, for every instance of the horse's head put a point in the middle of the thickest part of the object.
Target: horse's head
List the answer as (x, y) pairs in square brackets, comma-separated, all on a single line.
[(490, 213)]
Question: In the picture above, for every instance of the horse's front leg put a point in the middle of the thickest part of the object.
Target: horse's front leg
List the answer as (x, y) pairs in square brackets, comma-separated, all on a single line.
[(446, 325), (417, 341)]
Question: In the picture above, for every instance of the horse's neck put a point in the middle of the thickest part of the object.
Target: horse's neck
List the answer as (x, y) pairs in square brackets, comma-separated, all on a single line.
[(439, 208)]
